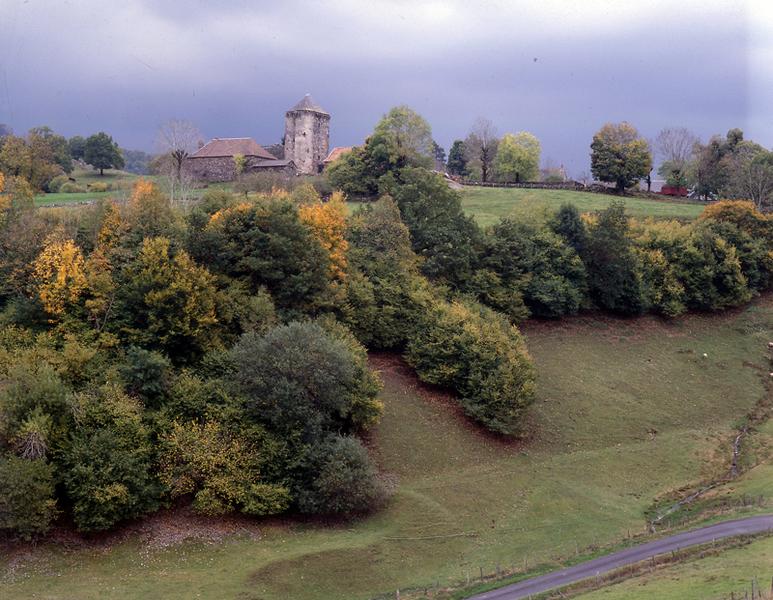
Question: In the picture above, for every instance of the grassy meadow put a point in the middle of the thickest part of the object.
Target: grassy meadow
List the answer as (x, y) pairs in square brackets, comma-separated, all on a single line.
[(627, 410), (488, 205), (712, 578), (120, 181)]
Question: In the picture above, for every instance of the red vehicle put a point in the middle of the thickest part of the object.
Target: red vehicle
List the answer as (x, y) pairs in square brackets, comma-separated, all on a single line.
[(674, 190)]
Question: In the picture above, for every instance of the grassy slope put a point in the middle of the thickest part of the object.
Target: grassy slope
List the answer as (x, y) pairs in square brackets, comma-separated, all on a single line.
[(120, 180), (587, 475), (488, 205)]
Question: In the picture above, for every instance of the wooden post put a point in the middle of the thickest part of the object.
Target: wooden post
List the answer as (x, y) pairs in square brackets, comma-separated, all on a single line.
[(397, 595), (468, 577), (481, 573)]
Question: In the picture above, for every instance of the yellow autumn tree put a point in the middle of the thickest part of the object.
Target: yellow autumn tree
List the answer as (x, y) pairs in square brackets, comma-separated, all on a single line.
[(327, 222), (5, 200), (58, 274)]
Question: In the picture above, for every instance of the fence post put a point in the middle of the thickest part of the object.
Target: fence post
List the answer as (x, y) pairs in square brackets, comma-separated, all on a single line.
[(481, 573)]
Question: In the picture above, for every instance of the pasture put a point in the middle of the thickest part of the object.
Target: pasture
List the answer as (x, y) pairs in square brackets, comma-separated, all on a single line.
[(627, 410), (488, 205)]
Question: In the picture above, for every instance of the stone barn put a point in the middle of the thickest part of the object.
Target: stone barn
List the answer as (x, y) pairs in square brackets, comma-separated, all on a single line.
[(307, 135), (215, 160)]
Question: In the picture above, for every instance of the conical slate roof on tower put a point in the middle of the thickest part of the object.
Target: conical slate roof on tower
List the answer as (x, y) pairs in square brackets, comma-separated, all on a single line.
[(308, 103)]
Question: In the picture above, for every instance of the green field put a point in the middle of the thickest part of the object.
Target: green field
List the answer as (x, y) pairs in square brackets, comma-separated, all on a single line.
[(121, 181), (627, 410), (488, 205), (705, 579)]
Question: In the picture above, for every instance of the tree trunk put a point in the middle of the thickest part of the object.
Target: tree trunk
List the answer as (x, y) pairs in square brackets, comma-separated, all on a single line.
[(101, 171)]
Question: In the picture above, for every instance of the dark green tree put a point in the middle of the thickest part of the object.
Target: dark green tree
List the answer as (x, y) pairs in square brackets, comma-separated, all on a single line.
[(568, 223), (101, 152), (457, 159), (442, 235), (107, 468), (614, 276), (27, 504), (77, 146)]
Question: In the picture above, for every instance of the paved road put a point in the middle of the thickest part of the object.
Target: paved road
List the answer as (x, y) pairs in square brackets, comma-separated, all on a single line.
[(537, 585)]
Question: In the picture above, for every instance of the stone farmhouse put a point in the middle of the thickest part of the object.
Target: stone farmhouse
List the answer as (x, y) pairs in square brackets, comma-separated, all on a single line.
[(305, 148)]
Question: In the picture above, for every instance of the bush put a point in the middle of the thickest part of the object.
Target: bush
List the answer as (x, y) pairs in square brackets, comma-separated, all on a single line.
[(32, 386), (302, 381), (479, 354), (107, 470), (220, 470), (537, 265), (343, 480), (614, 273), (441, 234), (266, 245), (70, 187), (147, 375), (385, 293), (55, 185), (27, 504), (99, 186)]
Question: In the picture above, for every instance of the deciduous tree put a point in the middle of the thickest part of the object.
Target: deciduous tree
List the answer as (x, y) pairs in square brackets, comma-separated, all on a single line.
[(481, 144), (101, 152), (517, 157), (620, 155)]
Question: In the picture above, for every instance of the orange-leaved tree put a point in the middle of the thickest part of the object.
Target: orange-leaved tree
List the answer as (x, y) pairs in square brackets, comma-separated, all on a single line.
[(327, 222), (58, 274)]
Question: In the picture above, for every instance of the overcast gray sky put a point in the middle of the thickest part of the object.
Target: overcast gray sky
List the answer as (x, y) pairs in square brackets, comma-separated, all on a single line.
[(559, 69)]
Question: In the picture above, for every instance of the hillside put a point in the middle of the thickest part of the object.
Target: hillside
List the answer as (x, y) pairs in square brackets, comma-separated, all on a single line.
[(627, 410)]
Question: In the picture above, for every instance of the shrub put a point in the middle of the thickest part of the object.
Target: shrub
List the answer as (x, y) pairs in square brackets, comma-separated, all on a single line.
[(265, 183), (343, 480), (31, 385), (99, 187), (70, 187), (479, 354), (265, 245), (300, 380), (219, 469), (55, 185), (614, 273), (385, 295), (537, 265), (107, 470), (27, 504), (147, 375)]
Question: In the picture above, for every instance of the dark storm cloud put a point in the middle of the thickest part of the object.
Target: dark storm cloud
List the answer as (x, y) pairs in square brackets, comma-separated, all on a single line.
[(558, 69)]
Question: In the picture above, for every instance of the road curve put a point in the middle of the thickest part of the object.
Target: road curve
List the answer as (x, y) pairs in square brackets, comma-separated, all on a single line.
[(610, 562)]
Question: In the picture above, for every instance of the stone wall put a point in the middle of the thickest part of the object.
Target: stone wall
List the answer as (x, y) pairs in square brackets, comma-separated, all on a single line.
[(219, 168), (307, 139)]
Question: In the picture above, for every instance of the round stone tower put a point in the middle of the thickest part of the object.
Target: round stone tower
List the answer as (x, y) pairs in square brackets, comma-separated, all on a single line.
[(307, 135)]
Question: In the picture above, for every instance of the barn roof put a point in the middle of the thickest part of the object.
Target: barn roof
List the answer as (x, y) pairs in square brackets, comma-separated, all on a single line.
[(308, 103), (220, 147), (337, 153)]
